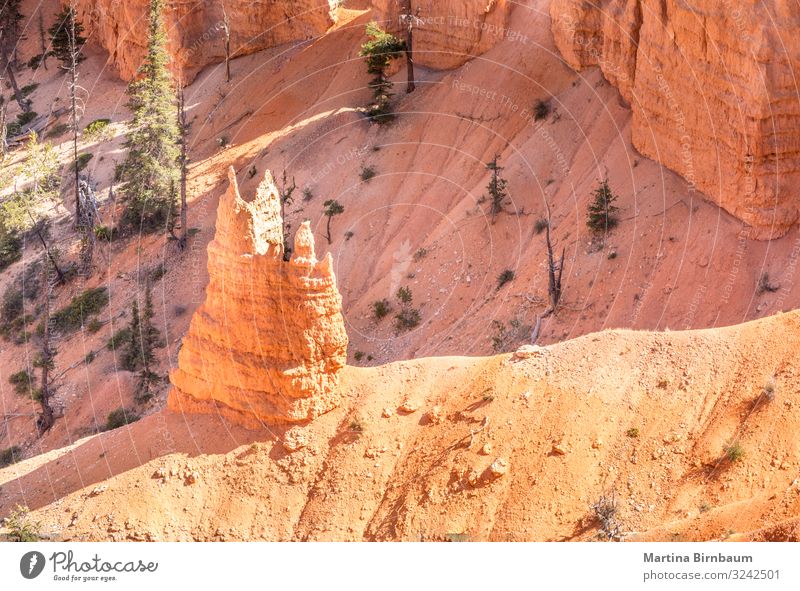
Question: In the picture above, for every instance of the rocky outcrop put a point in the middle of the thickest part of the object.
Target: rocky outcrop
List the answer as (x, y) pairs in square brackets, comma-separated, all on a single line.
[(713, 90), (195, 30), (449, 33), (269, 341)]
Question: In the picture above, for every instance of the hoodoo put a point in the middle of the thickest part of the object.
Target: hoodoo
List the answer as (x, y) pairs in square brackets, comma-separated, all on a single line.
[(269, 341)]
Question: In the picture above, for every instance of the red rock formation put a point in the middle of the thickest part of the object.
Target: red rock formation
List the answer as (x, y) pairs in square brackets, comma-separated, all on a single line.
[(449, 33), (195, 29), (713, 91), (269, 341)]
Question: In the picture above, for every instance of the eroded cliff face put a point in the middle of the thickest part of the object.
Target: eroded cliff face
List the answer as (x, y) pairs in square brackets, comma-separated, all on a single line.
[(269, 341), (713, 90), (195, 29), (449, 33)]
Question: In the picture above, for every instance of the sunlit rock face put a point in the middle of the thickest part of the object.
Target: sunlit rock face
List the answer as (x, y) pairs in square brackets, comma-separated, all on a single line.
[(713, 89), (268, 343), (196, 31)]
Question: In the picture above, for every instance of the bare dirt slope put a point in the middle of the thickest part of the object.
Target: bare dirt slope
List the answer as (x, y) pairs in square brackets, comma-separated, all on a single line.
[(675, 261), (497, 448)]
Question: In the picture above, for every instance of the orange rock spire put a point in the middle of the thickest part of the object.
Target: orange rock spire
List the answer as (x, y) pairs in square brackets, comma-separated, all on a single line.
[(269, 341)]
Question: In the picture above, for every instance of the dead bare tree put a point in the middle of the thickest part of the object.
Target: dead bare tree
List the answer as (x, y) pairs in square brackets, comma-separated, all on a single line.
[(86, 223), (226, 28), (4, 129), (72, 67), (183, 127), (286, 190), (554, 271)]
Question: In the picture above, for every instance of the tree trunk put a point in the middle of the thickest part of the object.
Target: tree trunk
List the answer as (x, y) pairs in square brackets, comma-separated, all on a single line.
[(409, 46), (9, 71), (51, 258), (184, 207), (328, 235), (3, 129), (226, 24), (42, 39), (73, 88), (47, 418), (555, 271)]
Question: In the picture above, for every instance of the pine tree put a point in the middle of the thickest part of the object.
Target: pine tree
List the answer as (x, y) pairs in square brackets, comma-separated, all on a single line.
[(150, 170), (133, 352), (602, 213), (142, 340), (496, 188), (332, 208), (10, 17), (62, 39), (381, 48)]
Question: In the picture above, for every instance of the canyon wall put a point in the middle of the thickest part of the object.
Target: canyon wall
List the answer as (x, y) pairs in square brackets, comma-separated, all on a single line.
[(269, 340), (195, 29), (448, 33), (713, 90)]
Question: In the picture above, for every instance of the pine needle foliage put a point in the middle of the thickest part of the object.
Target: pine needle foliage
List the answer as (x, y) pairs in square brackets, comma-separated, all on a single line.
[(150, 171)]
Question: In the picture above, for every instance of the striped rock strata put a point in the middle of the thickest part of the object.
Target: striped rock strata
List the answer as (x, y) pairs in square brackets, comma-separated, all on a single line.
[(269, 341)]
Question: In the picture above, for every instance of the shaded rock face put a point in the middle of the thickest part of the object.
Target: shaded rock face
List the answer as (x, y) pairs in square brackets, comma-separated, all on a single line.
[(448, 33), (268, 342), (195, 29), (713, 90)]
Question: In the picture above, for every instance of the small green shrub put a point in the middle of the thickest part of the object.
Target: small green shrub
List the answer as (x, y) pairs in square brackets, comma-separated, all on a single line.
[(94, 325), (35, 62), (540, 225), (420, 254), (10, 455), (83, 160), (90, 356), (104, 233), (158, 272), (22, 382), (79, 310), (367, 173), (12, 304), (28, 89), (119, 418), (633, 433), (308, 194), (541, 110), (118, 339), (404, 295), (358, 355), (10, 248), (765, 285), (734, 452), (406, 319), (96, 128), (506, 276), (381, 309), (26, 117), (21, 528)]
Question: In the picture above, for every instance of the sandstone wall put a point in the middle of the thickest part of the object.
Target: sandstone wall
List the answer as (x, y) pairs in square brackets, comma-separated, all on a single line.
[(269, 340), (713, 89), (195, 31), (449, 32)]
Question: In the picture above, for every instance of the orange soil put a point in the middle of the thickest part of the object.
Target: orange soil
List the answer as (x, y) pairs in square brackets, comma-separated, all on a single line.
[(681, 263), (559, 420)]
